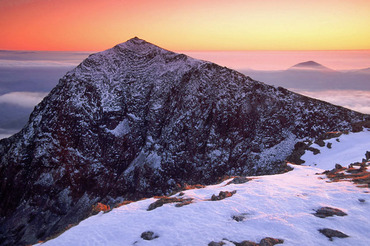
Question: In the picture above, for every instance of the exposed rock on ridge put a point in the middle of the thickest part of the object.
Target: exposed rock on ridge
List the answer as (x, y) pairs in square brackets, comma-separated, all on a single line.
[(136, 120)]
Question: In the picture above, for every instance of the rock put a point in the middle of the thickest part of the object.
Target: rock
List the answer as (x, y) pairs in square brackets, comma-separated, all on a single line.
[(216, 243), (330, 233), (361, 200), (367, 155), (298, 151), (314, 150), (269, 241), (338, 166), (246, 243), (320, 142), (149, 235), (239, 217), (163, 200), (184, 202), (239, 180), (328, 145), (100, 207), (324, 212), (222, 195)]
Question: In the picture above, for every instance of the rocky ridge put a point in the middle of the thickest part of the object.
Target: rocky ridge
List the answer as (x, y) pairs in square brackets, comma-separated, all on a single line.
[(136, 121)]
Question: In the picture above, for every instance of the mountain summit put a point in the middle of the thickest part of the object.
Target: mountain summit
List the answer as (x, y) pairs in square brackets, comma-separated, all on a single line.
[(136, 121), (310, 65)]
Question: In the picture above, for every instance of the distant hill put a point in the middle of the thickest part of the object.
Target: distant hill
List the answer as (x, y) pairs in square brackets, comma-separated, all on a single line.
[(312, 65)]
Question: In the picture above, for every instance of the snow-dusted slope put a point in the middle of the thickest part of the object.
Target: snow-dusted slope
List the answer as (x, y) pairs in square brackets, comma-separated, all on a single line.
[(279, 206), (343, 150), (136, 121)]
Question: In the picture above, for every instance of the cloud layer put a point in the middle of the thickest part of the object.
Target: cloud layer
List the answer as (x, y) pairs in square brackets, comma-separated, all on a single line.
[(23, 99), (353, 99)]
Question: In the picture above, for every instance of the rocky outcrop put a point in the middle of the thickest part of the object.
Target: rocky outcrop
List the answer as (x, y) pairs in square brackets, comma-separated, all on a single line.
[(136, 121), (324, 212), (222, 195), (330, 233), (149, 235)]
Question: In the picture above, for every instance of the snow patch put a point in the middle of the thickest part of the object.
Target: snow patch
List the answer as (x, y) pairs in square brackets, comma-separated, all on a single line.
[(151, 159), (122, 129), (350, 148)]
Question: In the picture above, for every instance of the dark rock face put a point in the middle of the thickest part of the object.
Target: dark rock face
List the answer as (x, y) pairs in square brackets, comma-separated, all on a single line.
[(136, 121)]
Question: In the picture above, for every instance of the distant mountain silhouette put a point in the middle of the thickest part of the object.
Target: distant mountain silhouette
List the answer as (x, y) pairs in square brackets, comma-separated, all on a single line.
[(310, 65)]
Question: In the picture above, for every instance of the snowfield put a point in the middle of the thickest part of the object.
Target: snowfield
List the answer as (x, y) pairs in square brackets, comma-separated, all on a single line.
[(279, 206), (348, 149)]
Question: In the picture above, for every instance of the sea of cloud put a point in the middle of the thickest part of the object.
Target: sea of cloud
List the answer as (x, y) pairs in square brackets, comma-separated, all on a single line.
[(353, 99), (23, 99)]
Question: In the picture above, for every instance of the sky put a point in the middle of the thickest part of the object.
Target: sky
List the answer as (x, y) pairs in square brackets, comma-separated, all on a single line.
[(93, 25), (43, 39)]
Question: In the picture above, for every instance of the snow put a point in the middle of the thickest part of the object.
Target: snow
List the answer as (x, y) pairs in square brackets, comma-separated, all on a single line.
[(279, 206), (122, 129), (350, 148)]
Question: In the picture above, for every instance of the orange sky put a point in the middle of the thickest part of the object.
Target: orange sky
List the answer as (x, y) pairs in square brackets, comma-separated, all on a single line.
[(95, 25)]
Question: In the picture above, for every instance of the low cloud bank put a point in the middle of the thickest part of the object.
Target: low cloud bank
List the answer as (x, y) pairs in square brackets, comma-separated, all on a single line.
[(353, 99), (23, 99), (30, 64)]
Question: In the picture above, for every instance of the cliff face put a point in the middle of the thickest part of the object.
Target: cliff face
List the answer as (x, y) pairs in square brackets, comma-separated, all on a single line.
[(136, 121)]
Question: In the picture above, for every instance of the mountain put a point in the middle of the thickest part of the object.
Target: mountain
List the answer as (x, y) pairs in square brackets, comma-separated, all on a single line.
[(310, 65), (136, 121)]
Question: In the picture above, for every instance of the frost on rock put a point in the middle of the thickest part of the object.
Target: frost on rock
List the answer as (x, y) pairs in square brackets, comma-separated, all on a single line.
[(137, 120)]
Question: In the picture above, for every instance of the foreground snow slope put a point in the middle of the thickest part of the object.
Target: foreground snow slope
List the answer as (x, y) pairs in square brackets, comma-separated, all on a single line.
[(279, 206)]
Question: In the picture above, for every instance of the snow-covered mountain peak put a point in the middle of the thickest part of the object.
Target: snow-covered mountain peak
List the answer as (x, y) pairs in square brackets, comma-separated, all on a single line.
[(136, 121), (138, 45), (135, 54)]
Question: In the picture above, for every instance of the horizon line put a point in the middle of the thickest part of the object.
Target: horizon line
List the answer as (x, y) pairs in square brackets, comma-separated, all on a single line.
[(195, 50)]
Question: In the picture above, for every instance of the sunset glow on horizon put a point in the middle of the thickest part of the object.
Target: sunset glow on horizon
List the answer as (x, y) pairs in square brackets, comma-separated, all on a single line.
[(92, 25)]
